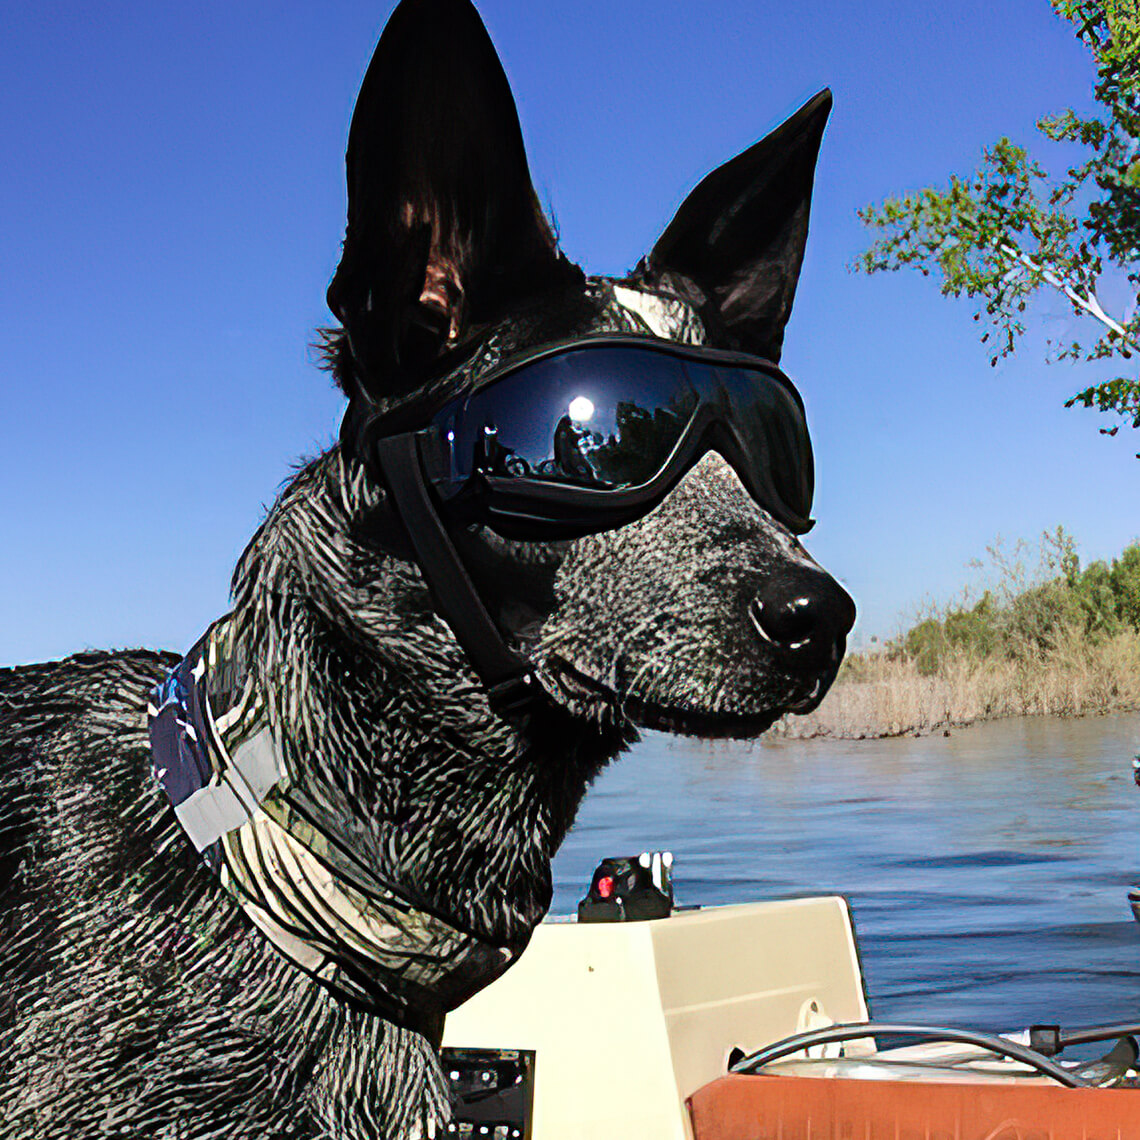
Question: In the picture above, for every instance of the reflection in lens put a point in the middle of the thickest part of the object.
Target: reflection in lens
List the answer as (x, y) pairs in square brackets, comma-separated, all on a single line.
[(581, 409), (572, 446), (642, 442)]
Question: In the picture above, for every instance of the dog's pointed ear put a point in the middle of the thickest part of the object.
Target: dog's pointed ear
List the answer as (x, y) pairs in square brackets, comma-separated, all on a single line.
[(444, 227), (737, 243)]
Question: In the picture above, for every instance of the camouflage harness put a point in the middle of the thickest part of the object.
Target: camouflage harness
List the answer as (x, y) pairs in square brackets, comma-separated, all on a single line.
[(287, 859)]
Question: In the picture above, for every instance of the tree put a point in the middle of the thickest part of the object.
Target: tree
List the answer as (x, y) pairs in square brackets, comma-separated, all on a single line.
[(1009, 231)]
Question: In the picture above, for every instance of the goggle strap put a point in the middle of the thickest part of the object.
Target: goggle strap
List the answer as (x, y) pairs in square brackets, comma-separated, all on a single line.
[(507, 677)]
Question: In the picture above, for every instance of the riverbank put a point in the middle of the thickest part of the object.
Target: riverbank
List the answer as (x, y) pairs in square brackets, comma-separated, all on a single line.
[(884, 694)]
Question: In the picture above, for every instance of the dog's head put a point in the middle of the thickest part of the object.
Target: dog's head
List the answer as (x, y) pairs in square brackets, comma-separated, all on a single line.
[(705, 615)]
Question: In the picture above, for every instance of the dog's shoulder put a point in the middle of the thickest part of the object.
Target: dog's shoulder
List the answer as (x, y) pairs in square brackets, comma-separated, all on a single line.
[(73, 736), (44, 698)]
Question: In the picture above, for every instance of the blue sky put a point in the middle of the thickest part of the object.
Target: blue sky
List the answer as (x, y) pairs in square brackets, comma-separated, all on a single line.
[(171, 207)]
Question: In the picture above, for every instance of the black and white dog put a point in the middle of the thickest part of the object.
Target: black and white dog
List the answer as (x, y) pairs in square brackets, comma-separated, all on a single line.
[(256, 929)]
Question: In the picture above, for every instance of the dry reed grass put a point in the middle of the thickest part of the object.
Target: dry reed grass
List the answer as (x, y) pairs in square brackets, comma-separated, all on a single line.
[(884, 695)]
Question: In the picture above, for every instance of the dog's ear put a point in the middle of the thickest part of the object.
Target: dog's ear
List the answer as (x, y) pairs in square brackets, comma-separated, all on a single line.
[(444, 227), (736, 245)]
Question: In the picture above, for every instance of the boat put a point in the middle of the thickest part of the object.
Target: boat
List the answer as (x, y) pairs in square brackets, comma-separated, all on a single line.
[(750, 1022), (1134, 891)]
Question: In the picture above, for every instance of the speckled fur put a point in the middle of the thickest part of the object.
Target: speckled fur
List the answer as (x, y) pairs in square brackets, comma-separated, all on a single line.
[(136, 1000)]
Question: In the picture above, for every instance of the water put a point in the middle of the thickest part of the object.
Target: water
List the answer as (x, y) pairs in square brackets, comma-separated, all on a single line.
[(987, 871)]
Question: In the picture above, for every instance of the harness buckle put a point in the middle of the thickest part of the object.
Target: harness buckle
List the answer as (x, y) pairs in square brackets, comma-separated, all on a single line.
[(515, 696)]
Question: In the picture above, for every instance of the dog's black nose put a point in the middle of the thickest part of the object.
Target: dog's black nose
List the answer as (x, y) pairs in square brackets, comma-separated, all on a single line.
[(805, 613)]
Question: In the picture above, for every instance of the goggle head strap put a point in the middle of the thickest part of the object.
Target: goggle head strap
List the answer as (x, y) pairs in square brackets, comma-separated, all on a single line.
[(508, 679)]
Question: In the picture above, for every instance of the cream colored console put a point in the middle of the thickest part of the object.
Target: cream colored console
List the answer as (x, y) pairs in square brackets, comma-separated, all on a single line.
[(627, 1019)]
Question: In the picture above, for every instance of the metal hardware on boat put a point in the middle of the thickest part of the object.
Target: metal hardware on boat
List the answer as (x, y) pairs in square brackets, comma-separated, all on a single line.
[(630, 889), (991, 1043)]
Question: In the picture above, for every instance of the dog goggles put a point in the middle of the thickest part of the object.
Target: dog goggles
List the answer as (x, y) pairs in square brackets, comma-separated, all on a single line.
[(573, 439), (587, 435)]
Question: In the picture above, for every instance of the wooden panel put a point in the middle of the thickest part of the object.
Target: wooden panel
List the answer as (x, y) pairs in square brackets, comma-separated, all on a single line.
[(738, 1107)]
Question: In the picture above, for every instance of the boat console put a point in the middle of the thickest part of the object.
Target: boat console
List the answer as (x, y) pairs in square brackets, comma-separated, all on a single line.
[(606, 1027), (747, 1022)]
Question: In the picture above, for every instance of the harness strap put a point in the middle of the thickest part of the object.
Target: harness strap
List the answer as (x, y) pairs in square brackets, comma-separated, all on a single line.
[(508, 679), (217, 761)]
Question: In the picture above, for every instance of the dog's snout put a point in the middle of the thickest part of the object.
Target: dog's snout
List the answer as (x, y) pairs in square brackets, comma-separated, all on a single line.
[(805, 613)]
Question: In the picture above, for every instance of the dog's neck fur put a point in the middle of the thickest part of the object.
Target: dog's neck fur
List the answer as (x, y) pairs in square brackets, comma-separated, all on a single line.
[(370, 696)]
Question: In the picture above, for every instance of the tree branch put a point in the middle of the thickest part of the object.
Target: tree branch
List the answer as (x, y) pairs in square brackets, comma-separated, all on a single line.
[(1086, 302)]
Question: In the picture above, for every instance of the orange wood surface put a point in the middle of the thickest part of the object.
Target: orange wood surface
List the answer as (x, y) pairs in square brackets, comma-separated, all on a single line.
[(738, 1107)]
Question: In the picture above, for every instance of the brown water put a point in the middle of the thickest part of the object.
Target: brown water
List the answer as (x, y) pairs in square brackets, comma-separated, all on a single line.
[(987, 871)]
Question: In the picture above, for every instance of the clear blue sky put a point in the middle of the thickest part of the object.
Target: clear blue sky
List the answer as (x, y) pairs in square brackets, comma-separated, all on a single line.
[(171, 207)]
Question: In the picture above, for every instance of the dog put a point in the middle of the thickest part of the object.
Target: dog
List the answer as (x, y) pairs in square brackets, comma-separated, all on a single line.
[(171, 976)]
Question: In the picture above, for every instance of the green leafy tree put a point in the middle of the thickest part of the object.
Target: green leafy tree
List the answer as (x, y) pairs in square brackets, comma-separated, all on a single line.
[(1094, 590), (1028, 613), (1009, 231), (1125, 582)]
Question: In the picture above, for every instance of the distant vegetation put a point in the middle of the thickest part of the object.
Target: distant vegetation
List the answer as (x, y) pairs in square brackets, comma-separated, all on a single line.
[(1059, 639), (1020, 622)]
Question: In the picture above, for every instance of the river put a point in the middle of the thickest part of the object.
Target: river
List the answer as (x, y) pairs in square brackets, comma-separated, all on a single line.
[(987, 870)]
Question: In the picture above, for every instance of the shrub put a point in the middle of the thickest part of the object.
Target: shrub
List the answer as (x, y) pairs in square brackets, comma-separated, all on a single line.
[(1024, 619), (1125, 585), (1094, 590)]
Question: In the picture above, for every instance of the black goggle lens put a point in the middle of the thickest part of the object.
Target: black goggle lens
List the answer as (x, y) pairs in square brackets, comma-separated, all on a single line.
[(769, 424), (609, 418), (604, 418)]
